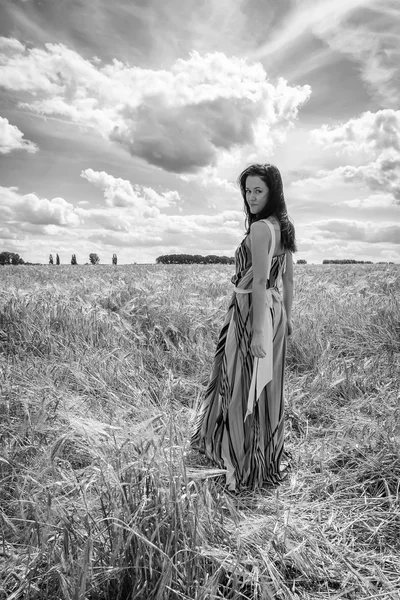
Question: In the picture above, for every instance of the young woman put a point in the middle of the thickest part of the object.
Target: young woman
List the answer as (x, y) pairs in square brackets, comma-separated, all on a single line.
[(240, 425)]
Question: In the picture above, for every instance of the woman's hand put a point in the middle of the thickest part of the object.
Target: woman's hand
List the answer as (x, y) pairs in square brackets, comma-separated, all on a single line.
[(258, 346), (289, 326)]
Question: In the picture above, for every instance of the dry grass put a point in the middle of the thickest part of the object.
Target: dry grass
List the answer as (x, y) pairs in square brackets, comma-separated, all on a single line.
[(101, 370)]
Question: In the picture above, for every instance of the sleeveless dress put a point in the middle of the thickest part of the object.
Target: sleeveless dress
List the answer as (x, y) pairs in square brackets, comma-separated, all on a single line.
[(240, 424)]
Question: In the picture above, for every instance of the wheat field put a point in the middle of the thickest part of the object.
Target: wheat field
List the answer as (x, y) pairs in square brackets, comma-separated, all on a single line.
[(101, 371)]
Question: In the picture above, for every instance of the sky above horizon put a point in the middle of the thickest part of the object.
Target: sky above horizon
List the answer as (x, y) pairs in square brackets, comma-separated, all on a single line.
[(124, 125)]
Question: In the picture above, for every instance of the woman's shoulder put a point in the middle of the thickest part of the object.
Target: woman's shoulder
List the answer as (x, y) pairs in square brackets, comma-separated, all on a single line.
[(272, 220), (259, 226), (262, 230)]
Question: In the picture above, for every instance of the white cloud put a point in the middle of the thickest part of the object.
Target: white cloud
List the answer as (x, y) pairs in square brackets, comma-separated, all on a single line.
[(374, 201), (372, 135), (370, 232), (382, 175), (10, 45), (373, 132), (195, 227), (208, 177), (133, 218), (20, 210), (178, 120), (11, 138), (163, 200), (144, 201)]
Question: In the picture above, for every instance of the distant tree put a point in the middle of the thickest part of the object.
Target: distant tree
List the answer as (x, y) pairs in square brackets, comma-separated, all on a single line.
[(5, 258), (73, 260), (51, 261), (114, 259), (10, 258), (301, 261), (57, 259), (94, 258)]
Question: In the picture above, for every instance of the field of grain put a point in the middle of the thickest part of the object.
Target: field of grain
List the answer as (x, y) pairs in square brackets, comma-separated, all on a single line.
[(101, 370)]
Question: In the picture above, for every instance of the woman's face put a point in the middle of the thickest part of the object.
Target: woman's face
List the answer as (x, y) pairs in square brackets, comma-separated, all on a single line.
[(256, 194)]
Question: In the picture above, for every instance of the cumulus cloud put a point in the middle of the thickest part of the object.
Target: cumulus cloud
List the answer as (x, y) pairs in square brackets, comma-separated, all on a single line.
[(382, 175), (376, 132), (134, 217), (372, 233), (209, 177), (182, 139), (226, 223), (119, 192), (120, 226), (19, 210), (379, 135), (109, 219), (41, 211), (11, 138), (10, 45), (177, 119), (374, 201), (163, 200)]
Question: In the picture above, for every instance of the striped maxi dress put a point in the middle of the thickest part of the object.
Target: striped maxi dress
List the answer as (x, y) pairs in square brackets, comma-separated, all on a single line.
[(240, 424)]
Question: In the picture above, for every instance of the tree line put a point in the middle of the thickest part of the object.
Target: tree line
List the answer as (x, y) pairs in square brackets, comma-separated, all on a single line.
[(190, 259), (12, 258), (345, 261)]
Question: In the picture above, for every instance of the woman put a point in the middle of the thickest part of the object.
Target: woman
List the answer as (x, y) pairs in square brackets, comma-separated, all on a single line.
[(240, 425)]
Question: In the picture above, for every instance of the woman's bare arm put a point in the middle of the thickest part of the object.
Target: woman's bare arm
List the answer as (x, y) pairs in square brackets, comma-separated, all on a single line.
[(287, 283), (260, 239)]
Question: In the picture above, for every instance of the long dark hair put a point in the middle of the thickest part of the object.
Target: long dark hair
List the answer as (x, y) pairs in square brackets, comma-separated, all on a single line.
[(276, 205)]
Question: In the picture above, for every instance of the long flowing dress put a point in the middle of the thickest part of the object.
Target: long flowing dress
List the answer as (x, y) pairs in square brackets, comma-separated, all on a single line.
[(240, 424)]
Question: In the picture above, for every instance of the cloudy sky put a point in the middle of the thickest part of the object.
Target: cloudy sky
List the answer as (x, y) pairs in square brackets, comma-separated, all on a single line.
[(124, 124)]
